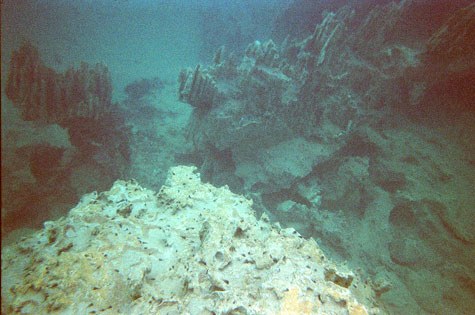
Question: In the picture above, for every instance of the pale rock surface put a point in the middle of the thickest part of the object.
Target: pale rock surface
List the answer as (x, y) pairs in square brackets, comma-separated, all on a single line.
[(189, 249)]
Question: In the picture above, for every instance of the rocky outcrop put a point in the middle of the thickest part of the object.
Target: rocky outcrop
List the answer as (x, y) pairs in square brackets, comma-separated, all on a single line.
[(314, 88), (350, 71), (78, 141), (317, 130), (197, 88), (190, 248), (46, 96)]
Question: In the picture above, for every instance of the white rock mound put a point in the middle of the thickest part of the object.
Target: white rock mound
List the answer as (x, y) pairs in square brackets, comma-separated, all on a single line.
[(189, 249)]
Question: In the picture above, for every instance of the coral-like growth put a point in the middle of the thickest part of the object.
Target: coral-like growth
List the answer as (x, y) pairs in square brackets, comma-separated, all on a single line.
[(197, 88), (50, 97), (265, 54), (330, 31)]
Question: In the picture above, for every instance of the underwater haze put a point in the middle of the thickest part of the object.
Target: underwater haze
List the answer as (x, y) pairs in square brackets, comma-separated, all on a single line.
[(289, 156)]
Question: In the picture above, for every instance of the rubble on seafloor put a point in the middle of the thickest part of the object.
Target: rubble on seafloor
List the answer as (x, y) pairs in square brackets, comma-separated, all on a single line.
[(191, 248)]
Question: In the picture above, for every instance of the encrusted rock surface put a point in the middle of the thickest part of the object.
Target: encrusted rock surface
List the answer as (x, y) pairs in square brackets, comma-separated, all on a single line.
[(189, 249), (67, 137), (50, 97), (197, 88), (359, 135)]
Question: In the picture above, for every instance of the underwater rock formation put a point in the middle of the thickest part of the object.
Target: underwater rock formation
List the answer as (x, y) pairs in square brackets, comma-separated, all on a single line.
[(190, 248), (46, 96), (453, 44), (311, 89), (265, 54), (319, 131), (324, 87), (197, 88), (55, 165), (447, 73)]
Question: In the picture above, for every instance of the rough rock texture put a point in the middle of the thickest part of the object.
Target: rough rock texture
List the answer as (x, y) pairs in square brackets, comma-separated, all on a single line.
[(420, 18), (46, 96), (197, 88), (190, 248), (66, 139), (320, 88), (336, 112)]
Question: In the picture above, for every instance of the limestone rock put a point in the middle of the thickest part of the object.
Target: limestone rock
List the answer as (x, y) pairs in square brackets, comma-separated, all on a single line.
[(339, 278), (191, 248), (265, 54), (197, 88), (46, 96), (381, 284)]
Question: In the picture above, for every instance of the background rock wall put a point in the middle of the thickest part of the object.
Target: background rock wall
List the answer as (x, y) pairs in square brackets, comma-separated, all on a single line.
[(335, 135)]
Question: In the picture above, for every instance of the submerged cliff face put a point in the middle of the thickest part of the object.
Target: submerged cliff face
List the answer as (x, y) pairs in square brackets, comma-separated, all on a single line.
[(360, 131), (190, 248)]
